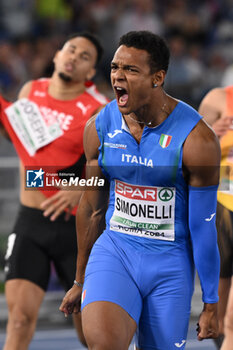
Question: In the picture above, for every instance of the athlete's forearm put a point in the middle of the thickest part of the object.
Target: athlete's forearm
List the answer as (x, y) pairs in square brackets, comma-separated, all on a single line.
[(202, 212), (210, 307), (89, 225)]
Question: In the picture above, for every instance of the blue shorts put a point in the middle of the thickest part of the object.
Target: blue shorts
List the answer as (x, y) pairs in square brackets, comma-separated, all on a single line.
[(154, 287)]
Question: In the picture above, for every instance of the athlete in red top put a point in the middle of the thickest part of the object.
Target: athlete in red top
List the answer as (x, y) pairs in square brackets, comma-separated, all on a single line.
[(42, 232)]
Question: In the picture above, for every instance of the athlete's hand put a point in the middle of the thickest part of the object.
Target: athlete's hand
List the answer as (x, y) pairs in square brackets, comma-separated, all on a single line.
[(71, 301), (222, 125), (207, 326), (63, 200)]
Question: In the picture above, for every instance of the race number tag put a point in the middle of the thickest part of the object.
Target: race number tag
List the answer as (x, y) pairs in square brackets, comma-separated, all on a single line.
[(30, 127), (144, 211), (226, 174)]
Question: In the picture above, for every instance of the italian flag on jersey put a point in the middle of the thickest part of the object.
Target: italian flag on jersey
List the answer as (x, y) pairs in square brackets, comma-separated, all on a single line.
[(165, 140)]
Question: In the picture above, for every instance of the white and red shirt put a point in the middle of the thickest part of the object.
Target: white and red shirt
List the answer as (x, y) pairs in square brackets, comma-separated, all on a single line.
[(70, 115)]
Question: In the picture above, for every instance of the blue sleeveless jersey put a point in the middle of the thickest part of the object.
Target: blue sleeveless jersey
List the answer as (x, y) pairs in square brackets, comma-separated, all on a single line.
[(148, 204)]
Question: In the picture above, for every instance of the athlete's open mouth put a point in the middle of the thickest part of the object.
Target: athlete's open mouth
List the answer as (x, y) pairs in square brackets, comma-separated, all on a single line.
[(69, 66), (122, 95)]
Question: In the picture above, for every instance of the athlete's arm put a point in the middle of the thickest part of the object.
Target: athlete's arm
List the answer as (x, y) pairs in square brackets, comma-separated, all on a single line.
[(3, 105), (25, 90), (23, 93), (212, 108), (201, 159), (93, 203), (3, 131), (89, 218)]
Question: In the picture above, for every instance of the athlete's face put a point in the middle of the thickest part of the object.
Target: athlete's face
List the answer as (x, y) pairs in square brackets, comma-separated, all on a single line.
[(76, 60), (131, 79)]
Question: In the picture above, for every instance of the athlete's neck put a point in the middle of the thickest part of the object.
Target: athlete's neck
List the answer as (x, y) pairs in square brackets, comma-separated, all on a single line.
[(154, 114), (62, 90)]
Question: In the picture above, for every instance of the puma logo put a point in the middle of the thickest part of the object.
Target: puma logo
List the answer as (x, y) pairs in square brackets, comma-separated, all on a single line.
[(82, 107)]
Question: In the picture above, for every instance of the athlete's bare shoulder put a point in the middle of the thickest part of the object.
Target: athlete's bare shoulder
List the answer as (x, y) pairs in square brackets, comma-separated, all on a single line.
[(201, 155), (25, 90), (213, 105), (91, 139), (201, 146), (214, 96)]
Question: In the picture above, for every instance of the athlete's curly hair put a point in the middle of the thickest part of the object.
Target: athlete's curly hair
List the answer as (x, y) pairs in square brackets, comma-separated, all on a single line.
[(155, 46)]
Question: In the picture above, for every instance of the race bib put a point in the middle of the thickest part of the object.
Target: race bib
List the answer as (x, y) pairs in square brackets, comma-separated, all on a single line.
[(226, 174), (226, 180), (144, 211), (30, 127)]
